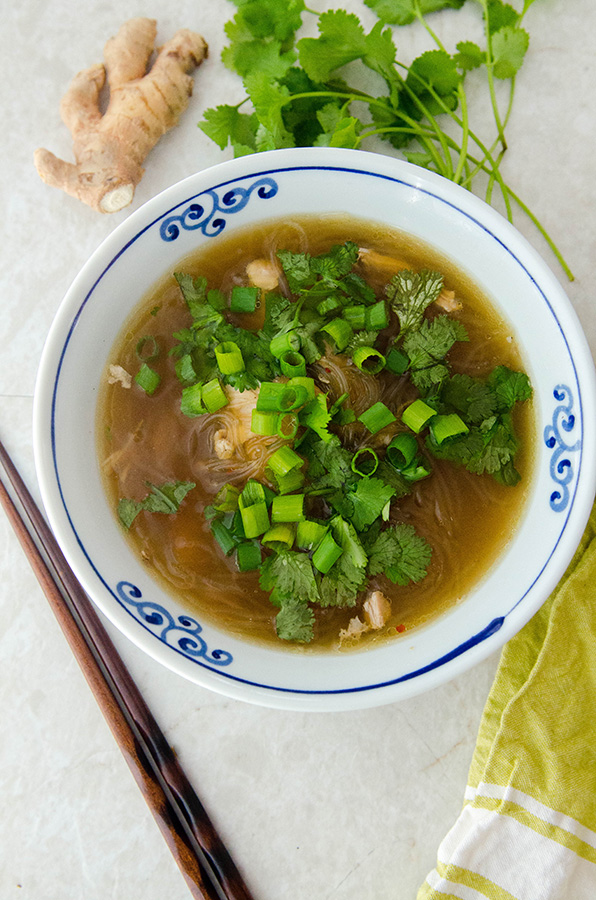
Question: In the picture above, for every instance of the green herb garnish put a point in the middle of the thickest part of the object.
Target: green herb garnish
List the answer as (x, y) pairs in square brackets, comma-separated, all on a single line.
[(165, 498), (299, 95), (320, 525)]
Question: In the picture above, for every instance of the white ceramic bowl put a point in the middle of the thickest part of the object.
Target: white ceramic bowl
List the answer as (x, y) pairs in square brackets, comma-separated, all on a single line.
[(271, 186)]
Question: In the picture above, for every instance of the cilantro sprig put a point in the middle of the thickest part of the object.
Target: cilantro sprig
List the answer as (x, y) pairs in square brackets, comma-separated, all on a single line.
[(297, 93)]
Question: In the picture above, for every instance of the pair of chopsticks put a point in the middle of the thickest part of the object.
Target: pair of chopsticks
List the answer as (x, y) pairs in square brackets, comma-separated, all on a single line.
[(189, 833)]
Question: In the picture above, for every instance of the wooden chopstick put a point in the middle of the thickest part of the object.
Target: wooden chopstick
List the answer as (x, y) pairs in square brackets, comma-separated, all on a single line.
[(196, 846)]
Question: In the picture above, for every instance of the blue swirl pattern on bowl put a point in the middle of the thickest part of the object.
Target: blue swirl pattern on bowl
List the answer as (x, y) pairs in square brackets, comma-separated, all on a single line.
[(201, 216), (561, 468)]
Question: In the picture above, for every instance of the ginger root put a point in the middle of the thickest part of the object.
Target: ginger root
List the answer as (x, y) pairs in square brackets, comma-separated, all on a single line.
[(110, 148)]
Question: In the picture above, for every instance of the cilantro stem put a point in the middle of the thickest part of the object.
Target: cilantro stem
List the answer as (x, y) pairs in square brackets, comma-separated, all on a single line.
[(489, 64), (463, 100)]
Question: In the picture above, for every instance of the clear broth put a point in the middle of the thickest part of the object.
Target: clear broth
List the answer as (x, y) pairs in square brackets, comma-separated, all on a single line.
[(467, 519)]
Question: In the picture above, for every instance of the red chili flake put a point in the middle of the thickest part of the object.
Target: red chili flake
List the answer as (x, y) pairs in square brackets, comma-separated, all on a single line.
[(400, 628)]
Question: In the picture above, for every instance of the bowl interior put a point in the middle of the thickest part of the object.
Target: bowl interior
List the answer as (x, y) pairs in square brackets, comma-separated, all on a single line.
[(274, 186)]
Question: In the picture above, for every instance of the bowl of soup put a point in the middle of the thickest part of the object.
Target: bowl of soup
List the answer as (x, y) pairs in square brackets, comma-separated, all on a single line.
[(315, 429)]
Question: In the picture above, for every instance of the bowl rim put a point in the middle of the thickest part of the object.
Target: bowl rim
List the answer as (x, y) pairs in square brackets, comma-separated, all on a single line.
[(476, 647)]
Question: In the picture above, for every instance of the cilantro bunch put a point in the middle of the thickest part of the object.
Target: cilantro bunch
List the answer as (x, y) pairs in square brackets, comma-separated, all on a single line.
[(298, 93)]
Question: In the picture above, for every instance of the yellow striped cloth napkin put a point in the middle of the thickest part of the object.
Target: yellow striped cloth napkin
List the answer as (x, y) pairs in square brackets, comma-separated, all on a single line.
[(527, 830)]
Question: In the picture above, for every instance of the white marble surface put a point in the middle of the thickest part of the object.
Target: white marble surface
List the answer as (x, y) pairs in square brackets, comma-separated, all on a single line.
[(334, 807)]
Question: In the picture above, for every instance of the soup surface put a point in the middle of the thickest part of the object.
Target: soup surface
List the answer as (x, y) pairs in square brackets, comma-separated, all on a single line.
[(447, 523)]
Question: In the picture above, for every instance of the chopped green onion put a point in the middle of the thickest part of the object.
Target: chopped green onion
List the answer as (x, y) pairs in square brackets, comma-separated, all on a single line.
[(309, 534), (293, 364), (415, 472), (330, 304), (402, 450), (148, 379), (248, 556), (365, 462), (340, 331), (396, 361), (226, 499), (147, 355), (280, 536), (213, 395), (305, 382), (269, 495), (417, 415), (223, 536), (191, 401), (444, 427), (376, 417), (377, 317), (284, 460), (229, 358), (237, 528), (287, 425), (326, 554), (252, 492), (277, 397), (368, 360), (287, 508), (355, 316), (255, 518), (264, 423), (293, 481), (281, 343), (244, 299)]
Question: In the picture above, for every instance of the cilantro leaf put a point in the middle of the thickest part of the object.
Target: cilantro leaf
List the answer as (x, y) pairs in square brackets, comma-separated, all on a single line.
[(434, 79), (329, 463), (290, 574), (403, 12), (509, 386), (300, 116), (509, 46), (410, 293), (342, 584), (227, 125), (341, 40), (337, 129), (295, 621), (269, 98), (317, 416), (473, 399), (165, 498), (369, 498), (487, 448), (500, 15), (469, 56), (427, 348), (263, 19), (399, 553), (249, 56)]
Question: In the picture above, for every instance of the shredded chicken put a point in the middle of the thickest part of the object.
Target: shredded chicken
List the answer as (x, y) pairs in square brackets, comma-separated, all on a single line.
[(222, 445), (377, 609), (263, 274), (355, 629), (380, 262), (448, 301), (118, 375), (241, 404), (236, 418)]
